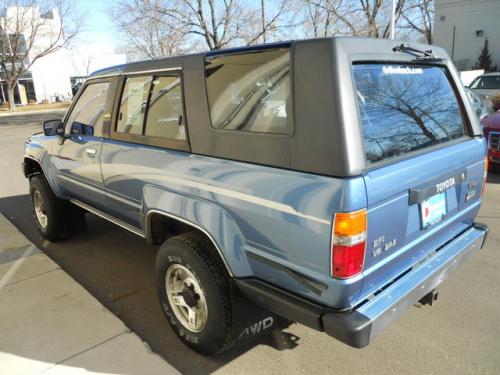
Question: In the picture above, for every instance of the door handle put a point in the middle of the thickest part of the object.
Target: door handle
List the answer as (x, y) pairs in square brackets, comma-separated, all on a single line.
[(91, 152)]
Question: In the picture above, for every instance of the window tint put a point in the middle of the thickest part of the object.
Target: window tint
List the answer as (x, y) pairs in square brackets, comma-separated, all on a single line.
[(486, 82), (405, 108), (164, 117), (133, 105), (250, 92), (87, 115)]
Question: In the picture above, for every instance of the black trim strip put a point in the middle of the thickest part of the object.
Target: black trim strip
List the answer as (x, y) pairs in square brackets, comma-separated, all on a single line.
[(419, 195)]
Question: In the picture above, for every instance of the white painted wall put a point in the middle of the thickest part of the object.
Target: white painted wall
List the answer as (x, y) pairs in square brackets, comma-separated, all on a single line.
[(467, 76), (51, 73), (467, 17), (51, 76)]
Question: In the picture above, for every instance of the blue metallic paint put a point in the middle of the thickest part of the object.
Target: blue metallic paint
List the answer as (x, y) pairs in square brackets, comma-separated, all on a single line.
[(281, 215)]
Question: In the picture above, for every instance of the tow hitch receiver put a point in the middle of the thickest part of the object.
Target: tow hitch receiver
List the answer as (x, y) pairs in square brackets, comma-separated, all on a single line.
[(429, 298)]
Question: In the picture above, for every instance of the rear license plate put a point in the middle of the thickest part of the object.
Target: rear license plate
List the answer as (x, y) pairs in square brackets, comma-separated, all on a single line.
[(433, 209)]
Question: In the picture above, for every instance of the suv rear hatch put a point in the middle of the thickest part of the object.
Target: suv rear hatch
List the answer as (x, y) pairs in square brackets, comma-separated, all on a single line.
[(425, 171)]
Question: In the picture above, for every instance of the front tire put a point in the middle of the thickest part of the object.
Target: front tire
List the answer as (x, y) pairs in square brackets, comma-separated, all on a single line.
[(195, 293), (55, 218)]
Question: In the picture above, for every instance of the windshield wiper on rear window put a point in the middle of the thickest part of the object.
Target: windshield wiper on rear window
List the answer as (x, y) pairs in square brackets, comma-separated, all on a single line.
[(419, 54)]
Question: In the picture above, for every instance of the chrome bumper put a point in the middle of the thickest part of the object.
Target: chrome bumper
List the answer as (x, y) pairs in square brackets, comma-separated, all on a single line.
[(359, 327)]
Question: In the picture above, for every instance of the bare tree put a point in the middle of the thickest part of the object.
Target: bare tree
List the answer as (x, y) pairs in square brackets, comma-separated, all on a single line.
[(419, 18), (279, 17), (147, 29), (351, 17), (82, 62), (165, 27), (332, 17), (321, 16), (30, 30), (218, 26)]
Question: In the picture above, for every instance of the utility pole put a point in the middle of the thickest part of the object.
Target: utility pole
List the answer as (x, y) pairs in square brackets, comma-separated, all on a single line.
[(263, 18), (393, 16)]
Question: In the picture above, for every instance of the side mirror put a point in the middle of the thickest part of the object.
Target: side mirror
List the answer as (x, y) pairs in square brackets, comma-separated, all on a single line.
[(77, 128), (53, 127)]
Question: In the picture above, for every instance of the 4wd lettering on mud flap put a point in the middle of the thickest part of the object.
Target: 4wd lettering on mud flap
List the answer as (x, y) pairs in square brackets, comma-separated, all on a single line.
[(257, 327)]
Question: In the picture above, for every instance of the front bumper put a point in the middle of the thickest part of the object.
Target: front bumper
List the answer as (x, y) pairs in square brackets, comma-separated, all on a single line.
[(357, 328)]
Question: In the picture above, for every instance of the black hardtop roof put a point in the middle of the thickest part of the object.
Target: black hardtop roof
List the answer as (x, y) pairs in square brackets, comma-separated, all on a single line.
[(361, 44)]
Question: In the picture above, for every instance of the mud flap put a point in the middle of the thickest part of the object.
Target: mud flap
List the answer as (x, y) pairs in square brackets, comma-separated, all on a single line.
[(254, 325)]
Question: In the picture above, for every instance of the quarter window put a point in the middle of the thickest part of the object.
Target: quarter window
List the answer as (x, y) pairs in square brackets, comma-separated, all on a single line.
[(250, 91), (87, 114)]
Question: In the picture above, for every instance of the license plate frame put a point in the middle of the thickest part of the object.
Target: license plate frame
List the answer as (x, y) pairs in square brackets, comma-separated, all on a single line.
[(433, 209)]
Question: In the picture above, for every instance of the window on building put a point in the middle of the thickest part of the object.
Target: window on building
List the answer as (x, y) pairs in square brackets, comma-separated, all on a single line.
[(133, 105), (250, 91), (87, 115)]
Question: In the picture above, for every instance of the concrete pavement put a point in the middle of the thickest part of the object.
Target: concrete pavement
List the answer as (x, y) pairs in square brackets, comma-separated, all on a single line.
[(50, 324), (37, 113)]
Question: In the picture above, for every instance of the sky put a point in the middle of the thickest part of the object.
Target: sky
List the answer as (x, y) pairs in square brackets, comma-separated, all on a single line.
[(99, 27), (97, 44)]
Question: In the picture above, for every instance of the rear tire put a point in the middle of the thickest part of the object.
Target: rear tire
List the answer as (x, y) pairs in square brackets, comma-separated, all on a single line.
[(195, 292), (55, 218)]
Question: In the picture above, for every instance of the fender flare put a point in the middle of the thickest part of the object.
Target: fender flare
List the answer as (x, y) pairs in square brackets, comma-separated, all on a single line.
[(207, 217), (49, 177)]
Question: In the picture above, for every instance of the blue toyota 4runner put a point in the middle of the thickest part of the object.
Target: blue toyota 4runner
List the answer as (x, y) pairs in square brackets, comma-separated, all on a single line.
[(335, 182)]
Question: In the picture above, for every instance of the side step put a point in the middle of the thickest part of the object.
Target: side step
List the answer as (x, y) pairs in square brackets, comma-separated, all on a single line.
[(108, 217)]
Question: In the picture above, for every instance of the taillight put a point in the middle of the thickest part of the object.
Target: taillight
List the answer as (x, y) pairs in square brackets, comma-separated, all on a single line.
[(486, 161), (348, 243)]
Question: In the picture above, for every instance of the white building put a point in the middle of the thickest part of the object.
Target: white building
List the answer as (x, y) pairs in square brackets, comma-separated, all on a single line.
[(461, 27), (49, 77)]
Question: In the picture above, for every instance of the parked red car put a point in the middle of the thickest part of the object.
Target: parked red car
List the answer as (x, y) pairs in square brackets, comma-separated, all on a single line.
[(491, 128)]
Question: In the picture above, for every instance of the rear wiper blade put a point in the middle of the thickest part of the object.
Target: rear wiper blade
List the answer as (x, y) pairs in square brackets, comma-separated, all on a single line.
[(418, 53)]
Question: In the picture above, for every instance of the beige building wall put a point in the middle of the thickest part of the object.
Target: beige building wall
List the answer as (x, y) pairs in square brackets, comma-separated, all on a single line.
[(461, 26)]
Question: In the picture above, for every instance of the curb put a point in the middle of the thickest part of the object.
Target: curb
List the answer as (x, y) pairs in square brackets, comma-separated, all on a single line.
[(40, 111)]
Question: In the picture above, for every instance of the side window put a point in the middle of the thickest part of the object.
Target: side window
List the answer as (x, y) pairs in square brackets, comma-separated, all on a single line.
[(164, 118), (87, 114), (250, 91), (133, 105)]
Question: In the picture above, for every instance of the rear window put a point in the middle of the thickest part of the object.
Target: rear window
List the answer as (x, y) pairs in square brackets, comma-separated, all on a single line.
[(405, 108)]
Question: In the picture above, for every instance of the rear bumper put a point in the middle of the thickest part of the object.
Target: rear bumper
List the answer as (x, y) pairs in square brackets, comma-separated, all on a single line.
[(358, 327)]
